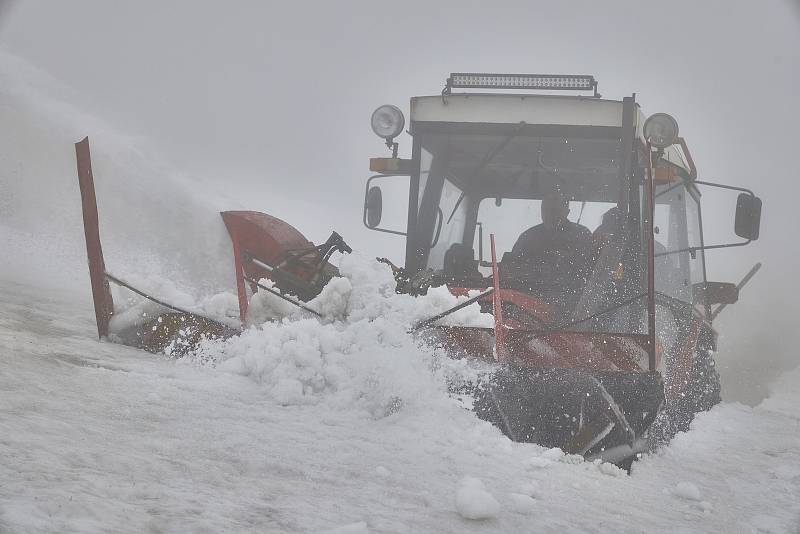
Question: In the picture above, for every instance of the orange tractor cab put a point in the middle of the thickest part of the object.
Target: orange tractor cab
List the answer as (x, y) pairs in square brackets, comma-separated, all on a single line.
[(601, 348)]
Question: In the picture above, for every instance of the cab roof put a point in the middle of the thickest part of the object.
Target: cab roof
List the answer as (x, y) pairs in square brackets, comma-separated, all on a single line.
[(534, 109)]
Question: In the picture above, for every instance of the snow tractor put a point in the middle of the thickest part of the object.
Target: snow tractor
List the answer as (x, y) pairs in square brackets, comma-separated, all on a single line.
[(575, 221)]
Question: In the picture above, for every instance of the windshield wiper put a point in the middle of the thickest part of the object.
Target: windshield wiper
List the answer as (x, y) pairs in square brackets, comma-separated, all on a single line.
[(484, 162)]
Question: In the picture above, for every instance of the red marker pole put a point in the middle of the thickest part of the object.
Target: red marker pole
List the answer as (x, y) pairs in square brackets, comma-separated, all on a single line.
[(501, 352), (101, 292), (651, 271)]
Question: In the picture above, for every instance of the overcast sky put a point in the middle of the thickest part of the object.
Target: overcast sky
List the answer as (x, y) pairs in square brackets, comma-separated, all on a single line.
[(273, 99)]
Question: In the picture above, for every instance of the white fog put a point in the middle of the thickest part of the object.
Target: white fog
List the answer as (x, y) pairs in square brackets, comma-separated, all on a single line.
[(352, 417)]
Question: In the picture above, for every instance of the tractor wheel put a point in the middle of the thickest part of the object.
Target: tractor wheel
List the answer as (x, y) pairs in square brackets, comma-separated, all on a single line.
[(704, 385), (702, 394)]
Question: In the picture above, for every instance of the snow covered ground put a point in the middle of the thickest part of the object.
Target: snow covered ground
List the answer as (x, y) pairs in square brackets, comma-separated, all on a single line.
[(100, 437), (296, 426)]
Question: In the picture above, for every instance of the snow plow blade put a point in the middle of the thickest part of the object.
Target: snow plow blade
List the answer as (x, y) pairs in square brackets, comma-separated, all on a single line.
[(174, 334), (579, 411)]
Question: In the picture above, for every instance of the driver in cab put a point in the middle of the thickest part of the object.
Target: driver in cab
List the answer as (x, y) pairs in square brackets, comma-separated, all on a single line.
[(557, 252)]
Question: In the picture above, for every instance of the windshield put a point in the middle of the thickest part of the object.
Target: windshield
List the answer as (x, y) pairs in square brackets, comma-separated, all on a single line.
[(508, 220), (475, 184), (459, 171)]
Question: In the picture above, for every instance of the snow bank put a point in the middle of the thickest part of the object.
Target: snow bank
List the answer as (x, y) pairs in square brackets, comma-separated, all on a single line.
[(360, 354)]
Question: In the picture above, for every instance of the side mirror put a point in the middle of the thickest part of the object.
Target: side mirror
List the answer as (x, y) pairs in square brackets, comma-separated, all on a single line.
[(710, 293), (373, 207), (748, 216), (396, 212)]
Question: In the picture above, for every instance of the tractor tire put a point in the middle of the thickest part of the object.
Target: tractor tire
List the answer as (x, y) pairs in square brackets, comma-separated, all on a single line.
[(704, 389), (702, 393)]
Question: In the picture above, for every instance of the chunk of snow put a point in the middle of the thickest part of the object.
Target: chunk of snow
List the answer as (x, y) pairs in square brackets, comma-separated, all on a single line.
[(522, 504), (222, 305), (610, 469), (234, 366), (572, 459), (705, 506), (687, 490), (537, 462), (474, 502), (287, 391), (553, 454), (382, 471)]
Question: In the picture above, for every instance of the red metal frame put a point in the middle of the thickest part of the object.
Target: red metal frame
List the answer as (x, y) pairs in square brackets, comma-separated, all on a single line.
[(241, 289), (651, 287), (263, 237), (528, 347), (501, 353), (584, 350)]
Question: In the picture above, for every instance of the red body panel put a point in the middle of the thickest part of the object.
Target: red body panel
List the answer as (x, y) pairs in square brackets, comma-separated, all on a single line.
[(265, 238), (524, 346), (583, 350)]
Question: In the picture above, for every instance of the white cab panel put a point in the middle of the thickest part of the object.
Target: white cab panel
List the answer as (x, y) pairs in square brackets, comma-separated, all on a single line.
[(512, 109)]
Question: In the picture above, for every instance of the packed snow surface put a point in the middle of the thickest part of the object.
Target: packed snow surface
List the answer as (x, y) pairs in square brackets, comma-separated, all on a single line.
[(339, 424), (102, 437)]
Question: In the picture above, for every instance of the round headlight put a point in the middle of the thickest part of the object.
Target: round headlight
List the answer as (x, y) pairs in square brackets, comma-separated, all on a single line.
[(661, 130), (388, 121)]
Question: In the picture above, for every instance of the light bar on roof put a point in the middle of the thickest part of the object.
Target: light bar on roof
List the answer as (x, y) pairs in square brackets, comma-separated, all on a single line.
[(546, 82)]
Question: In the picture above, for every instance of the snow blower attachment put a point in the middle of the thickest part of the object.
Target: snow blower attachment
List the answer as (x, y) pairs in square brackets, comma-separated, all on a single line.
[(264, 247), (602, 340), (267, 247)]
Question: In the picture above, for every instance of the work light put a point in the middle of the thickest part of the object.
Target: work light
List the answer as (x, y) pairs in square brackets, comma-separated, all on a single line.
[(388, 121), (547, 82), (661, 130)]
